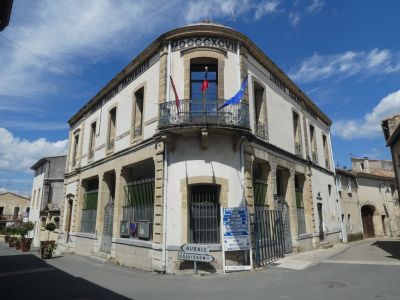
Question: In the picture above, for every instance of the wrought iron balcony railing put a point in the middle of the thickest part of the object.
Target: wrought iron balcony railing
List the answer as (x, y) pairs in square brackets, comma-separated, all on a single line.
[(297, 148), (197, 112), (261, 130)]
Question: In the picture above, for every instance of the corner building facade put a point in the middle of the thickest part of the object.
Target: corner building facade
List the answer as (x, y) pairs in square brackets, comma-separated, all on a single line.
[(144, 178)]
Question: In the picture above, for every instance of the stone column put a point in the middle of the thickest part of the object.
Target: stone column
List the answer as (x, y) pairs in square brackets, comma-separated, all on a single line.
[(102, 198), (272, 185), (291, 200), (248, 181), (163, 80), (308, 202), (158, 205), (120, 183)]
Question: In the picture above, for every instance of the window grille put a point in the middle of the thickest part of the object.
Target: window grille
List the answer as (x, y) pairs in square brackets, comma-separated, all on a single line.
[(204, 214), (260, 193), (89, 210), (139, 202), (301, 222)]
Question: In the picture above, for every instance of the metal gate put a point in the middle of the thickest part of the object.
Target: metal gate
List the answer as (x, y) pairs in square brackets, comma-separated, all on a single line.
[(284, 208), (106, 241), (269, 235)]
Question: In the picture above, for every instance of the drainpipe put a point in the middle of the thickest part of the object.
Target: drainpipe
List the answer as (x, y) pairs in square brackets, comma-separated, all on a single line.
[(165, 175), (339, 205)]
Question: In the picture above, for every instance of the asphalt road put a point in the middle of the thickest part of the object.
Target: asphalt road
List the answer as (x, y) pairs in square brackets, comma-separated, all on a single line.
[(367, 270)]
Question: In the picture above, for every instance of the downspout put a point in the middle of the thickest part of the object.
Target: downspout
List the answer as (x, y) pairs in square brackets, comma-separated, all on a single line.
[(339, 205), (165, 175)]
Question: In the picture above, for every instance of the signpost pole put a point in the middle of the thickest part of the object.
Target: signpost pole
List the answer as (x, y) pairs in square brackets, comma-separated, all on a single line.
[(251, 245), (223, 243), (195, 267)]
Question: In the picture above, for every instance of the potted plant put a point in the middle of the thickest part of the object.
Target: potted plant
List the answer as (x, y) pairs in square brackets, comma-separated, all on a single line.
[(6, 232), (47, 247), (17, 243), (26, 242), (11, 241)]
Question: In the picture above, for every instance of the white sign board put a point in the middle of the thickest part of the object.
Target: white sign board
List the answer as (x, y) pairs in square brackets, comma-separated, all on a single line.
[(195, 257), (196, 249), (236, 229)]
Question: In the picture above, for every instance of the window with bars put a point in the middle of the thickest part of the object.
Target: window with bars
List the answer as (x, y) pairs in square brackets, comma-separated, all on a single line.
[(89, 210), (139, 202), (204, 214), (301, 222)]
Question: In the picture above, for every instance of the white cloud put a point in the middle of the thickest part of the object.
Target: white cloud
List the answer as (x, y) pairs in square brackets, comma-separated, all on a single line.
[(69, 34), (265, 8), (198, 10), (315, 6), (294, 18), (370, 125), (366, 63), (20, 154)]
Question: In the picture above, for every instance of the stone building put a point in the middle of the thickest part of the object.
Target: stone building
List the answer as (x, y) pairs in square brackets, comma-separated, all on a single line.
[(391, 131), (47, 196), (378, 196), (347, 186), (13, 208), (147, 173)]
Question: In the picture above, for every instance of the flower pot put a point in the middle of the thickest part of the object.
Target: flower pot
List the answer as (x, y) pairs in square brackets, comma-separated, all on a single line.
[(18, 246), (47, 248), (6, 238), (26, 244), (11, 242)]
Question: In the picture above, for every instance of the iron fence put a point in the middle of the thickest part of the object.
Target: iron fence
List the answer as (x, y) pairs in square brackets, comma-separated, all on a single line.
[(199, 112), (269, 235)]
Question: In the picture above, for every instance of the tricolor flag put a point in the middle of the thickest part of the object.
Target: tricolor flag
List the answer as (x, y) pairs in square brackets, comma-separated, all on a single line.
[(237, 97), (204, 85), (175, 93)]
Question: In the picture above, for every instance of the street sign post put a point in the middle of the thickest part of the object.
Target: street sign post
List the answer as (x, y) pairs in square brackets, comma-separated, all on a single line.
[(195, 253)]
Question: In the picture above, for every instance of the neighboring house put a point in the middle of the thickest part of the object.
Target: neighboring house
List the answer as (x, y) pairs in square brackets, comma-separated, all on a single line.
[(5, 13), (347, 187), (378, 196), (147, 173), (47, 195), (391, 131), (13, 208)]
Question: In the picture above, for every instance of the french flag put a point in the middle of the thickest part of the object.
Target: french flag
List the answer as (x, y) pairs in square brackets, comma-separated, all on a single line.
[(204, 85)]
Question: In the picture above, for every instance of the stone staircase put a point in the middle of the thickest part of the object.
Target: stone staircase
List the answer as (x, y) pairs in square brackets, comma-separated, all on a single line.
[(100, 257), (325, 245)]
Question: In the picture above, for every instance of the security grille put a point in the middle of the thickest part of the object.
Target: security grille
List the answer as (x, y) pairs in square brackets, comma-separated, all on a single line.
[(204, 214), (88, 221), (139, 202), (260, 192)]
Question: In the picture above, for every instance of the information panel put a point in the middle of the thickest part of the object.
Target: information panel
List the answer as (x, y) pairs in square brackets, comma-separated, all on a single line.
[(236, 229)]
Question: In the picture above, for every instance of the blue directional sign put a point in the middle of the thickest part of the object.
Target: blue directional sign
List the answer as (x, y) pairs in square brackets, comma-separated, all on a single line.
[(236, 229)]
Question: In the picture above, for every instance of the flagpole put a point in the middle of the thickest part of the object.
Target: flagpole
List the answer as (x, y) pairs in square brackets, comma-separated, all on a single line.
[(205, 93)]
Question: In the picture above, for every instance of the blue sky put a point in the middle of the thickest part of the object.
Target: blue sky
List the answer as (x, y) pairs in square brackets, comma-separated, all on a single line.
[(55, 55)]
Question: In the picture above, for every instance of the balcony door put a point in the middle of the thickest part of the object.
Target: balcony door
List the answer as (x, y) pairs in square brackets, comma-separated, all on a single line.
[(207, 102)]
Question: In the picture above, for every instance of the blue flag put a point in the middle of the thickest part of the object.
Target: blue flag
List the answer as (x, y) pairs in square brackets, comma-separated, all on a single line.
[(237, 97)]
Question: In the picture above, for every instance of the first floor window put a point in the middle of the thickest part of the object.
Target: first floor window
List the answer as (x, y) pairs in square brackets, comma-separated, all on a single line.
[(139, 205), (204, 214), (89, 210)]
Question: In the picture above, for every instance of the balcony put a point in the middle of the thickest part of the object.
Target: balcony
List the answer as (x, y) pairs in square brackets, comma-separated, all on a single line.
[(199, 113), (261, 130), (297, 149)]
